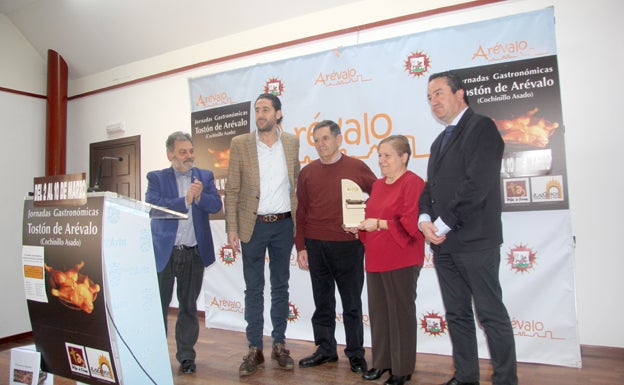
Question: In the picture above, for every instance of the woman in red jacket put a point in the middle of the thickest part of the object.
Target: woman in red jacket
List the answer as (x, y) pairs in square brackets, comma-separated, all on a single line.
[(395, 250)]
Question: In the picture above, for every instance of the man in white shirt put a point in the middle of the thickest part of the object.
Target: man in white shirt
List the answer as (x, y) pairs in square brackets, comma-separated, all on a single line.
[(260, 204)]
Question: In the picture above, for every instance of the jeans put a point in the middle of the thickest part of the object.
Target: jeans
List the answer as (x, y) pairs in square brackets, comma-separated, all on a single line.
[(186, 267), (278, 238), (337, 264)]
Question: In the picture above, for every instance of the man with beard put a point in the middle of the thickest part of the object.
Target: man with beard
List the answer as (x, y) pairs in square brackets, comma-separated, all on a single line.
[(183, 248), (260, 203)]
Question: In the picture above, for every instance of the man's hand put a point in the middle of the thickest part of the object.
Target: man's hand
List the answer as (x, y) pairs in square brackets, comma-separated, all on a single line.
[(234, 241), (352, 230), (194, 192), (302, 260), (429, 231)]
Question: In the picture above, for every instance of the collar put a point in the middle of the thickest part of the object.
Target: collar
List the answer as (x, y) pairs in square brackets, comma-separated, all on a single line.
[(278, 130), (177, 173), (334, 160), (458, 117)]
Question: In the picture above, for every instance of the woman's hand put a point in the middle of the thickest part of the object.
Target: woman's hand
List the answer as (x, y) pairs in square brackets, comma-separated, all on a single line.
[(369, 224)]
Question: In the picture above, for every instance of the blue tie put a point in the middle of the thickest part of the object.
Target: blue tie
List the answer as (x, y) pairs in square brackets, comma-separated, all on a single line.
[(447, 134)]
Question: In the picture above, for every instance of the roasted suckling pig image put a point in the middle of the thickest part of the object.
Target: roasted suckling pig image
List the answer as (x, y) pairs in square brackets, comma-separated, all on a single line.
[(527, 129), (221, 159), (74, 289)]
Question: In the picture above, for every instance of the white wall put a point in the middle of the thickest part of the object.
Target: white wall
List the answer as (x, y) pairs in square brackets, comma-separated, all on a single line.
[(21, 67), (22, 120), (587, 35), (590, 87)]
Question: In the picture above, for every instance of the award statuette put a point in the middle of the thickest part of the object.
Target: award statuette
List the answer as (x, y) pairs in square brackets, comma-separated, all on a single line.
[(352, 203)]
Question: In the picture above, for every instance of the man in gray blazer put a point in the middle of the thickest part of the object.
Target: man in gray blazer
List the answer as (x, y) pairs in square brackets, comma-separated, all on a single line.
[(461, 217), (260, 203)]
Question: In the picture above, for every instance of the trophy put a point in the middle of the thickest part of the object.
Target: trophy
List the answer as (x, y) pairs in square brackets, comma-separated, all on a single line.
[(352, 203)]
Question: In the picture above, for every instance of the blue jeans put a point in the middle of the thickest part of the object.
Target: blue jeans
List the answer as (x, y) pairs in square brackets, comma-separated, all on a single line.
[(338, 264), (186, 267), (278, 238)]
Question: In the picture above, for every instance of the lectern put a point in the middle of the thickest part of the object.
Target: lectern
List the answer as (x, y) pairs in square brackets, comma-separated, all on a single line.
[(92, 290)]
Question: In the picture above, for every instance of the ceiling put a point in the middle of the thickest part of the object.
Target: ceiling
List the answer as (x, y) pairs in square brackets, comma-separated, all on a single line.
[(97, 35)]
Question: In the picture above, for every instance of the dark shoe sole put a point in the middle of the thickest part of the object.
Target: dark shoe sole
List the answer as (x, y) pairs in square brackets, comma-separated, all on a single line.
[(287, 367), (317, 363), (246, 373), (187, 367), (374, 376)]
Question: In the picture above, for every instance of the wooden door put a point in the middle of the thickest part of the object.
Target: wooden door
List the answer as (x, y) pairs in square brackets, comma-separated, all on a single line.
[(115, 165)]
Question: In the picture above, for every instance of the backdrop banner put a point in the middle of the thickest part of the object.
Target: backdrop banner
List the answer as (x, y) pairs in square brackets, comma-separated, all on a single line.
[(379, 89)]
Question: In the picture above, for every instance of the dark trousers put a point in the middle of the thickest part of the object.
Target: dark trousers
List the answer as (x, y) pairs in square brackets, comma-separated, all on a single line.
[(186, 267), (337, 264), (278, 239), (473, 276), (392, 310)]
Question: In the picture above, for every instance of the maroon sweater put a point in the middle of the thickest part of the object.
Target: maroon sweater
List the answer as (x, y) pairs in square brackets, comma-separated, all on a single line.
[(319, 198)]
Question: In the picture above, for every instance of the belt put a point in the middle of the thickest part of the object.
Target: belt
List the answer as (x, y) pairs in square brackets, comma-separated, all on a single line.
[(184, 247), (270, 218)]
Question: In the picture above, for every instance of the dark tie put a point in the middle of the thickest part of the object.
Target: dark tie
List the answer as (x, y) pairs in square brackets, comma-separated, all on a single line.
[(447, 134)]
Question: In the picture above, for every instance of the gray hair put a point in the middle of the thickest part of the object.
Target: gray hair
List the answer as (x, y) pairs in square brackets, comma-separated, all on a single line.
[(334, 128), (400, 144), (177, 136)]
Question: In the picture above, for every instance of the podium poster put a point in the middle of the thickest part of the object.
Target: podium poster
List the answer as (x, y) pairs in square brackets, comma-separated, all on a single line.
[(69, 316), (81, 267)]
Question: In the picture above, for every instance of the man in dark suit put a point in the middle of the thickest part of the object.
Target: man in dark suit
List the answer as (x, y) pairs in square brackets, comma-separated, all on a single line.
[(461, 218), (183, 248)]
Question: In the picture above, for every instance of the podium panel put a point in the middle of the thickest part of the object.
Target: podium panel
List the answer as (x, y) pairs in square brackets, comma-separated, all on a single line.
[(92, 291)]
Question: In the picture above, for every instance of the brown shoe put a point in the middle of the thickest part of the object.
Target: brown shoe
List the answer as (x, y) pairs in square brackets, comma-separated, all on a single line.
[(282, 356), (251, 362)]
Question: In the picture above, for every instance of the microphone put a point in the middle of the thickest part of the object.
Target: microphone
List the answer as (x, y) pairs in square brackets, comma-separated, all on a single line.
[(96, 183)]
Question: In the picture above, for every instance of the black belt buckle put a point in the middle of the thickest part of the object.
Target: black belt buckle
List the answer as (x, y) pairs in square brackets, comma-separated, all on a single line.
[(270, 218)]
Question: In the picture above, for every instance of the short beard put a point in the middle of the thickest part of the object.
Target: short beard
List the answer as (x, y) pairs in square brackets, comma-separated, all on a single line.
[(264, 129), (188, 166)]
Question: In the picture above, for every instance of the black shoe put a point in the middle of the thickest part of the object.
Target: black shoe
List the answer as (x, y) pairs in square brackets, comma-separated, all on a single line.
[(374, 374), (398, 380), (316, 359), (454, 381), (358, 364), (187, 367)]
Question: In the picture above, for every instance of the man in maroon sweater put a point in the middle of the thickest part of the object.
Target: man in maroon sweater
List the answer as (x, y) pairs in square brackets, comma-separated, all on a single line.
[(333, 256)]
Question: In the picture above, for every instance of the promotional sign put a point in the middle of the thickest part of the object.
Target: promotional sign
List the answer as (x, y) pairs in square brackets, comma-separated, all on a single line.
[(62, 257), (92, 292), (68, 189), (379, 89), (523, 97), (24, 369), (213, 130)]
